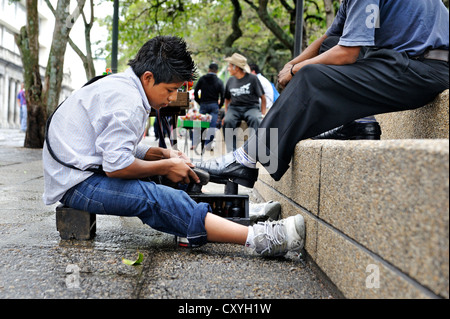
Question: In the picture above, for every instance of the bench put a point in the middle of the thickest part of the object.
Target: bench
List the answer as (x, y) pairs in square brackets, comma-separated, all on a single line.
[(376, 212)]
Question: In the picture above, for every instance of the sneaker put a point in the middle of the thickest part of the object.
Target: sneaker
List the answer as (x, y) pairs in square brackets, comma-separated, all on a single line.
[(182, 241), (276, 238), (263, 211)]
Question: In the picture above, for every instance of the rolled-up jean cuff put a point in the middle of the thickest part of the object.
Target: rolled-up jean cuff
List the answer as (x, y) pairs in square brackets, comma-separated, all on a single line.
[(196, 232)]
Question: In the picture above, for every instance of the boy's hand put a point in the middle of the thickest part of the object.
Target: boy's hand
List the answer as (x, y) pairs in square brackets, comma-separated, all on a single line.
[(179, 154), (180, 171)]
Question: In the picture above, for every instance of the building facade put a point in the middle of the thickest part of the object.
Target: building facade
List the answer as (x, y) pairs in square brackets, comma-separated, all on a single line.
[(12, 18)]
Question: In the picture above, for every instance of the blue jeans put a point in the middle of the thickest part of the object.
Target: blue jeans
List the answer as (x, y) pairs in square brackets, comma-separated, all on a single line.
[(213, 110), (23, 117), (163, 208)]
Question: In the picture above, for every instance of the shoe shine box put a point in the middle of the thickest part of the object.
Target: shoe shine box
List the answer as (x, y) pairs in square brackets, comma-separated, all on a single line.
[(232, 207)]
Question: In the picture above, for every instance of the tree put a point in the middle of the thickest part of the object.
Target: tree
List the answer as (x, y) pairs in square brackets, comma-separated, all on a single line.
[(236, 30), (87, 59), (28, 43), (42, 99), (262, 30)]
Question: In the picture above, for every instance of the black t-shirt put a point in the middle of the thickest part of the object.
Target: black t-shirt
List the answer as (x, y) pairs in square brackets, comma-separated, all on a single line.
[(211, 89), (245, 91)]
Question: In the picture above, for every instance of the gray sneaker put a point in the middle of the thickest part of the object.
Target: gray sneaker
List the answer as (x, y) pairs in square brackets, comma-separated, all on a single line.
[(276, 238), (263, 211)]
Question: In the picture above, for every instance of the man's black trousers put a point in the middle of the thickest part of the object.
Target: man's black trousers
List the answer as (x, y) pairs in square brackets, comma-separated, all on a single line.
[(321, 97)]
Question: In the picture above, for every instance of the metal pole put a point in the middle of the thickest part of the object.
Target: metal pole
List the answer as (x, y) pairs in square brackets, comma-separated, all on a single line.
[(298, 28), (115, 37)]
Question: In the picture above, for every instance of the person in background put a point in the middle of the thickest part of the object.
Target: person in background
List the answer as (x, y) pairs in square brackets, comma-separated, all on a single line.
[(21, 100), (267, 86), (243, 92), (209, 94)]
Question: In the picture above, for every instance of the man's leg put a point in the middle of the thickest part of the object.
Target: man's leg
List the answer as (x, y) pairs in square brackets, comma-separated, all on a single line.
[(365, 128), (253, 118), (322, 97), (231, 121), (213, 110)]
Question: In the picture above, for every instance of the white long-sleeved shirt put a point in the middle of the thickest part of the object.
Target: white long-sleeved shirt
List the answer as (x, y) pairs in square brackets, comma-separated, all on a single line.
[(268, 90), (99, 124)]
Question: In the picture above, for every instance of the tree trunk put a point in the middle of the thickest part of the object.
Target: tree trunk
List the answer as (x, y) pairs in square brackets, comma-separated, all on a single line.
[(329, 11), (87, 59), (28, 44), (55, 66), (271, 24), (237, 32), (41, 100)]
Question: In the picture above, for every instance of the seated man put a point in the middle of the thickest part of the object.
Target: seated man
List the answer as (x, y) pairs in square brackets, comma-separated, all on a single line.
[(404, 67), (93, 159), (242, 94)]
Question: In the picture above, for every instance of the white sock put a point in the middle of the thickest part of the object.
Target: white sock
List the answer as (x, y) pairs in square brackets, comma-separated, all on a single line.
[(367, 119), (243, 158), (250, 243)]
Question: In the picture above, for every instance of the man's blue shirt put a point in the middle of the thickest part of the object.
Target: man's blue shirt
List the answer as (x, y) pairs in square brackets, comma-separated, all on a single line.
[(413, 26)]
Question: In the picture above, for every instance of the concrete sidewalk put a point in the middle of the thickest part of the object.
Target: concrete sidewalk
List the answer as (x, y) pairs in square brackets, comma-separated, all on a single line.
[(35, 263)]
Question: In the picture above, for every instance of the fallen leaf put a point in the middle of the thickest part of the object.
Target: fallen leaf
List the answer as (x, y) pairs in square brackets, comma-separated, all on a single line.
[(134, 262)]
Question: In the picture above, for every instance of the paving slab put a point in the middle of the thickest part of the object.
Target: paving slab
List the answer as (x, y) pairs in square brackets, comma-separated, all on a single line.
[(37, 264)]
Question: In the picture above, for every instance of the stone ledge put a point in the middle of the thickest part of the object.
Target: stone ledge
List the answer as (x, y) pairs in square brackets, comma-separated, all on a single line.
[(372, 202), (430, 121)]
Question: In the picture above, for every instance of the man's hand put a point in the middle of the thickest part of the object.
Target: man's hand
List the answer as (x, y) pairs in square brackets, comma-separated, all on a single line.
[(285, 75)]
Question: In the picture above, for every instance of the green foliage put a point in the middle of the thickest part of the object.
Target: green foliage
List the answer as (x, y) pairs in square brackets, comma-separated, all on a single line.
[(205, 24)]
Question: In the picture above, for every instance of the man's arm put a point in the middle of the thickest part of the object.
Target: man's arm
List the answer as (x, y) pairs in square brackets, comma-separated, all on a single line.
[(338, 55), (221, 93), (196, 89), (227, 102), (263, 104), (310, 52)]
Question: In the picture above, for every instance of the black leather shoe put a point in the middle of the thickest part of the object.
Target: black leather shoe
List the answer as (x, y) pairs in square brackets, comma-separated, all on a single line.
[(352, 131), (226, 169)]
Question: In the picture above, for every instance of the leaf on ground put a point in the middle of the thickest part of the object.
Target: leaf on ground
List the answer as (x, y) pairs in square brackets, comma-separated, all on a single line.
[(136, 262)]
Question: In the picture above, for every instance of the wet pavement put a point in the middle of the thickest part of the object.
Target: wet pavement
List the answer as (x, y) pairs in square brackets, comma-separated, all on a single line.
[(36, 263)]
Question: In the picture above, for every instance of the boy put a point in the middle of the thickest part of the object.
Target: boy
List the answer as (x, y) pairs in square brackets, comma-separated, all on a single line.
[(99, 127)]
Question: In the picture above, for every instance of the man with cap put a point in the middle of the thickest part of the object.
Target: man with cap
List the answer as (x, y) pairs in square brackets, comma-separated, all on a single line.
[(211, 97), (242, 93)]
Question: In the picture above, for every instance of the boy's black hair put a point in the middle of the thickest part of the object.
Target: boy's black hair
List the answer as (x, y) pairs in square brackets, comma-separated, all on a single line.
[(167, 57)]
